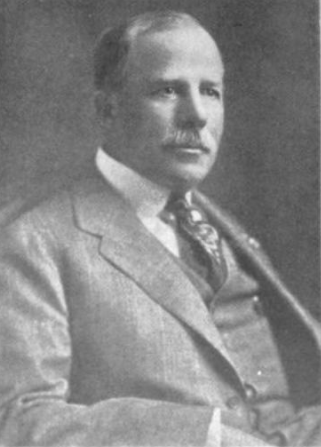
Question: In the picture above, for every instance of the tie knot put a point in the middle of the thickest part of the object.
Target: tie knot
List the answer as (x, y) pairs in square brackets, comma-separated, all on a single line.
[(182, 210), (193, 221)]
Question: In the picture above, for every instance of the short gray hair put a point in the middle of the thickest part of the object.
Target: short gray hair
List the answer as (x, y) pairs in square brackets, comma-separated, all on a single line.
[(112, 48)]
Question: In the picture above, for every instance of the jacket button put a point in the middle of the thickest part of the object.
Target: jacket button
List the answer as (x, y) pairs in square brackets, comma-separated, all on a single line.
[(234, 402), (250, 392), (257, 305), (254, 243)]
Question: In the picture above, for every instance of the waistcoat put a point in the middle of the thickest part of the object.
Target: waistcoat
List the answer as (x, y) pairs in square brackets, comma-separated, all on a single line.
[(238, 313)]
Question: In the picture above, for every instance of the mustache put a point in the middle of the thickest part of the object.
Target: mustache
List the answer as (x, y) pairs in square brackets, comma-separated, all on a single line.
[(186, 139)]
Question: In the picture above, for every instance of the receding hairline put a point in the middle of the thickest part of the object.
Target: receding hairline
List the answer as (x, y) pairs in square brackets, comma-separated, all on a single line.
[(159, 22), (114, 45)]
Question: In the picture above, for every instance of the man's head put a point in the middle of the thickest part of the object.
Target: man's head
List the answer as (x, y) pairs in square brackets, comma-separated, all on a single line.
[(159, 80)]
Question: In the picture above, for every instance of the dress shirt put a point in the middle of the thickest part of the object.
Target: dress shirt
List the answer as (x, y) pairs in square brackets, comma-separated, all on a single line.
[(145, 197)]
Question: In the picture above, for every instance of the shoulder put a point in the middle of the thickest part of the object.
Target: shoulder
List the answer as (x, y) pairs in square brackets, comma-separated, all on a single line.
[(35, 226), (55, 217), (53, 207), (35, 211)]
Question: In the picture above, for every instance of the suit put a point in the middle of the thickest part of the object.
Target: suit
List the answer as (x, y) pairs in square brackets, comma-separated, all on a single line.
[(104, 338)]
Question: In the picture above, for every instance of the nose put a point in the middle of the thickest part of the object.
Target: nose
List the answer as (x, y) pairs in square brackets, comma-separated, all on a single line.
[(192, 113)]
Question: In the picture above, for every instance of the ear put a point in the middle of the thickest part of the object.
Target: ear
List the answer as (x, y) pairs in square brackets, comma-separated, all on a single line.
[(106, 105)]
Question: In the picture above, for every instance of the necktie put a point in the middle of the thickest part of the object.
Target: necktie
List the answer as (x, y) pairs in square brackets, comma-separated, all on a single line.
[(201, 244)]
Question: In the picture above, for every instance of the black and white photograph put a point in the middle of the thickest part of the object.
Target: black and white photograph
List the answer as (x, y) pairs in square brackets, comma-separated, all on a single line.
[(160, 223)]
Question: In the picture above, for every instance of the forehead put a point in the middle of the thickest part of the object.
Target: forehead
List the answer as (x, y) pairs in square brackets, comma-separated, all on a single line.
[(177, 52)]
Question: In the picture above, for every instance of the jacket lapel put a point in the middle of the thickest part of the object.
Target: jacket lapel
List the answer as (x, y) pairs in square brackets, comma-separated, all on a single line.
[(126, 243)]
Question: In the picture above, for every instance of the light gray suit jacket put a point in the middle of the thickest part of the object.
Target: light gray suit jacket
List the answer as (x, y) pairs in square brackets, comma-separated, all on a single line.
[(103, 338)]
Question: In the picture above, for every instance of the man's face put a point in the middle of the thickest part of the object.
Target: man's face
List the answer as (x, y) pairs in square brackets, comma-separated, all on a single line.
[(169, 117)]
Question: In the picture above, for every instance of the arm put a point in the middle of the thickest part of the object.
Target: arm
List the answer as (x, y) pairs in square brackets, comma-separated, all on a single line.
[(35, 364)]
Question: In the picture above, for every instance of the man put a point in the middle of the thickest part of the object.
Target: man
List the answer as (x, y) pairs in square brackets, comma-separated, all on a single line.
[(126, 317)]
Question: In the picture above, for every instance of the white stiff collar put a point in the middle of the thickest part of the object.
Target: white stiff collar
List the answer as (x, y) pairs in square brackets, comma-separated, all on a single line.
[(145, 197)]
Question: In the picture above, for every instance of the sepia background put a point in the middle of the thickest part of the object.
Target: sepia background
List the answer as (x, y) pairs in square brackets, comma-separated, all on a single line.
[(267, 173)]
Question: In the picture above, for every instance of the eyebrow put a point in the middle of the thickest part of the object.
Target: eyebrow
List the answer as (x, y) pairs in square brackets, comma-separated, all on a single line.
[(180, 82)]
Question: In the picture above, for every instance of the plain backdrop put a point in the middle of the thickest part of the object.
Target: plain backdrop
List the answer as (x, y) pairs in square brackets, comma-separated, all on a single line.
[(267, 173)]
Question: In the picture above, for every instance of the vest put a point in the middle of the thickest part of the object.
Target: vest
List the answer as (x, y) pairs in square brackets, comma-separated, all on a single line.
[(239, 314)]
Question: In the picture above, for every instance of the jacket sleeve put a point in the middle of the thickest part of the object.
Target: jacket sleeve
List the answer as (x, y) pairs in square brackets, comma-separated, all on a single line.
[(35, 364)]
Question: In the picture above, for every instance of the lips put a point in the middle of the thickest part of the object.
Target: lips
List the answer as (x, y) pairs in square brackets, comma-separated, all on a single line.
[(187, 148)]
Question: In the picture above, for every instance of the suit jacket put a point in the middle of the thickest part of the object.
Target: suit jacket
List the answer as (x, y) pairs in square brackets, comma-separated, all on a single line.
[(104, 339)]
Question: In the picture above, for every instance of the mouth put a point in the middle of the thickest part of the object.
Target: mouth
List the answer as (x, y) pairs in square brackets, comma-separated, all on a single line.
[(187, 149)]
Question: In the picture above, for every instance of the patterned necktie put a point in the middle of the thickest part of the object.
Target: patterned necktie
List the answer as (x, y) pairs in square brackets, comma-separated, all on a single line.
[(202, 248)]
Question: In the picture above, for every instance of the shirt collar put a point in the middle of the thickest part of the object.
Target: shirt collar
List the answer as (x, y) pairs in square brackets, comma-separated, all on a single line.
[(145, 197)]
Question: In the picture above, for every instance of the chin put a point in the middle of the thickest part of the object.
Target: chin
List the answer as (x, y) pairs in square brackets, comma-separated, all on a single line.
[(186, 179)]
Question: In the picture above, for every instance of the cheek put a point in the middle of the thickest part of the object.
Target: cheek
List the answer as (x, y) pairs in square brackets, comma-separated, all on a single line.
[(143, 118), (216, 121), (160, 120)]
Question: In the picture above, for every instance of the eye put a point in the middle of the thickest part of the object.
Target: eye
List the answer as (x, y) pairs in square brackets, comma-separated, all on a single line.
[(166, 91), (211, 92), (169, 90)]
